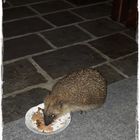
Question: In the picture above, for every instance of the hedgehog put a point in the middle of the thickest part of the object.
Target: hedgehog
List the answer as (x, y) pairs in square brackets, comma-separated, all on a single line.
[(80, 90)]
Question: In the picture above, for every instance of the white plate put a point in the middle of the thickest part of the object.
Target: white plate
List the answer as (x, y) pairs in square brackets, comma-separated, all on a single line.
[(58, 125)]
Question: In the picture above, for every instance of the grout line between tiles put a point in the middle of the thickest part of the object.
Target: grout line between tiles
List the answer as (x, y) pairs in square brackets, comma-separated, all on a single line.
[(119, 23), (21, 18), (39, 15), (40, 70), (101, 64), (84, 6), (17, 92), (47, 41), (129, 36), (26, 57), (59, 27), (15, 6), (73, 5), (18, 36), (117, 70), (44, 52), (99, 52), (50, 83), (42, 14), (51, 29), (41, 2), (66, 46), (107, 35), (125, 56), (77, 15), (84, 30)]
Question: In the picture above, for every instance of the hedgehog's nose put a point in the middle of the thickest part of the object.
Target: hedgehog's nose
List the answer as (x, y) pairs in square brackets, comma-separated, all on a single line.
[(48, 119)]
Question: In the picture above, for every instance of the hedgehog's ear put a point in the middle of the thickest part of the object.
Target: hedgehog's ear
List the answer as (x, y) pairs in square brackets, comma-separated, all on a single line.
[(60, 103)]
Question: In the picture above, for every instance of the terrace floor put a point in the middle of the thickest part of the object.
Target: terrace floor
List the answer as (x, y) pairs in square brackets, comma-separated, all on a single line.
[(46, 39)]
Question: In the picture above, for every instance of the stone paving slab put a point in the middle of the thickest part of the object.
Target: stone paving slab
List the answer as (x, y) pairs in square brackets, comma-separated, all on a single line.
[(15, 107), (116, 45), (25, 26), (23, 46), (127, 65), (62, 18), (66, 36), (17, 12), (51, 6), (63, 61), (20, 75), (105, 25), (94, 11), (109, 74)]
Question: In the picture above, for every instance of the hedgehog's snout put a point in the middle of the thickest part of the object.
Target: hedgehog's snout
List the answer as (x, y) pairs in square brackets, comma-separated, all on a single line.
[(48, 118)]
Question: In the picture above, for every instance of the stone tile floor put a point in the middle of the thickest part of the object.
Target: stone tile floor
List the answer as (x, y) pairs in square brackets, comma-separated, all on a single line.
[(46, 39)]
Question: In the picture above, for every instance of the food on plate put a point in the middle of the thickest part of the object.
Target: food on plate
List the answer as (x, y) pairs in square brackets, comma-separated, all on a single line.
[(38, 118)]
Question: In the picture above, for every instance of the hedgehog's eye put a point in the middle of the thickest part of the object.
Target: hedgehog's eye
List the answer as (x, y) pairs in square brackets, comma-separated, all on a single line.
[(52, 115)]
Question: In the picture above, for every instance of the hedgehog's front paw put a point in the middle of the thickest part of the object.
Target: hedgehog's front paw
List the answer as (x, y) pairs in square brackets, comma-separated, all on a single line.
[(83, 112)]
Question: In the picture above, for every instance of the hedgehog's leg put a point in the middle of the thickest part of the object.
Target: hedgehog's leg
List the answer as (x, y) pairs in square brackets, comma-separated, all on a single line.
[(81, 112)]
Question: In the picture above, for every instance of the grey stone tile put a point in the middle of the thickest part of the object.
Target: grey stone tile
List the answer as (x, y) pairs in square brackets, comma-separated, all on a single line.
[(20, 75), (66, 35), (85, 2), (115, 46), (23, 46), (102, 27), (24, 26), (62, 18), (95, 11), (127, 65), (51, 6), (69, 59), (21, 2), (15, 107), (17, 12), (109, 74)]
